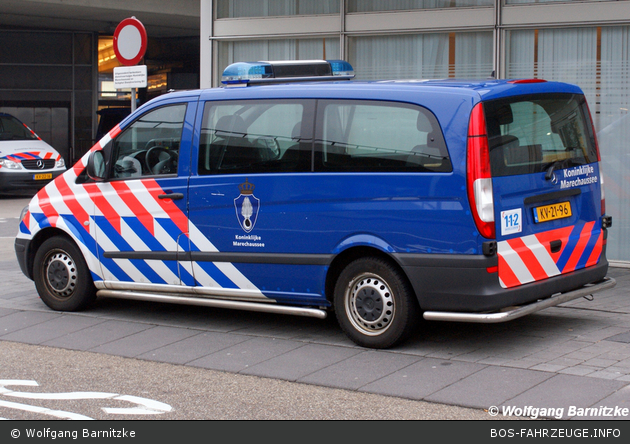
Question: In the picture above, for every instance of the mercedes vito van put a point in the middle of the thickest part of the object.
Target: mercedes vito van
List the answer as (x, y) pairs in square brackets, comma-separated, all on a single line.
[(27, 163), (294, 189)]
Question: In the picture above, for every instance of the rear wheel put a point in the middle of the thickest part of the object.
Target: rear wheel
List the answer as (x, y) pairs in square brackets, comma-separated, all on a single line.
[(374, 304), (61, 275)]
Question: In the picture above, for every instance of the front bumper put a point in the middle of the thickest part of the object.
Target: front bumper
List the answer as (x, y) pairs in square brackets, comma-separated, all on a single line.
[(24, 181), (21, 252)]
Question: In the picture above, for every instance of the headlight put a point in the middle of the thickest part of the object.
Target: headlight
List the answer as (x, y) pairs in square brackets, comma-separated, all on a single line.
[(6, 163), (23, 213), (60, 163)]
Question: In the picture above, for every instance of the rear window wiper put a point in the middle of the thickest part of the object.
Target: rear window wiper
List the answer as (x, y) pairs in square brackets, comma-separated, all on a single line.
[(550, 168)]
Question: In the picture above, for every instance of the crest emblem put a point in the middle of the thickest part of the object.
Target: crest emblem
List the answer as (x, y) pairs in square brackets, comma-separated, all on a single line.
[(247, 206)]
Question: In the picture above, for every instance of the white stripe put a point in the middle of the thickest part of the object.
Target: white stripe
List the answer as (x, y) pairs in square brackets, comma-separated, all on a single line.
[(124, 264), (114, 199), (542, 255), (164, 238), (137, 244), (90, 259), (200, 275), (62, 396), (515, 263), (151, 406), (43, 410), (104, 141), (140, 191), (228, 269), (55, 199), (146, 406)]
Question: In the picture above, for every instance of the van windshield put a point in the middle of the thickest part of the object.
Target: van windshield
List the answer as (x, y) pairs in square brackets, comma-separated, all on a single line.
[(12, 129), (530, 134)]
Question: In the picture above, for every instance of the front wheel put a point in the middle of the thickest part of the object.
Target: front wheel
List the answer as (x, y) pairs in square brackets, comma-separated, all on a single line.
[(374, 304), (61, 275)]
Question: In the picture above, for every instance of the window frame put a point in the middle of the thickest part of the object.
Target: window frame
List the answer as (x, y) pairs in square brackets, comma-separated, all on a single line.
[(319, 163), (114, 151)]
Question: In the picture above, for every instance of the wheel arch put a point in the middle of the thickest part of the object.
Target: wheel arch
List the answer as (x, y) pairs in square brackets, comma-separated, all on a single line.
[(42, 236), (344, 258)]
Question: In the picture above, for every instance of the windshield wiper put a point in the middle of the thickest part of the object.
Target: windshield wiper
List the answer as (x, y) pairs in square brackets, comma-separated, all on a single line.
[(552, 167)]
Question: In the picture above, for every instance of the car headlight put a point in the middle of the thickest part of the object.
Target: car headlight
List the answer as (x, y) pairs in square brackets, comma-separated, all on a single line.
[(60, 163), (6, 163), (23, 213)]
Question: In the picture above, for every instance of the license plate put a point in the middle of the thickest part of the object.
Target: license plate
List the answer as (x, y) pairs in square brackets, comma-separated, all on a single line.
[(42, 176), (552, 212)]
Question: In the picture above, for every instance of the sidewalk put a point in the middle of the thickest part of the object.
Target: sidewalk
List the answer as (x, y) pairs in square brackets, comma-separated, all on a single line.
[(576, 355)]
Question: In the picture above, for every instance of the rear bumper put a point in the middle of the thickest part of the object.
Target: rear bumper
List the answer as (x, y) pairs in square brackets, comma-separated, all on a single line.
[(462, 283), (517, 312)]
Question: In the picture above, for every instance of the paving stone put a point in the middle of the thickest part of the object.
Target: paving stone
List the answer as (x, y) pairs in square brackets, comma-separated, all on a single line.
[(194, 347), (246, 354), (51, 329), (143, 341), (621, 337), (491, 386), (565, 391), (423, 378), (97, 335), (359, 370), (301, 362)]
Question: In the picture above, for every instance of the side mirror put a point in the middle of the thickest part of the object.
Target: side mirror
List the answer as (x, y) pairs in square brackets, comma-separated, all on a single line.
[(96, 166)]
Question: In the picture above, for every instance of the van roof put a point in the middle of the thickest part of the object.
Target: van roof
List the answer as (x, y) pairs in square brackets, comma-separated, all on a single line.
[(474, 90)]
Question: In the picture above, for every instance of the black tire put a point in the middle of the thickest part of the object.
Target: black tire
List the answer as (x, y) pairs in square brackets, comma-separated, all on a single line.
[(374, 304), (61, 275)]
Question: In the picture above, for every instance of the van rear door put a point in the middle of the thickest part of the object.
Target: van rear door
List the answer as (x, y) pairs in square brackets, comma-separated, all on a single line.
[(546, 184)]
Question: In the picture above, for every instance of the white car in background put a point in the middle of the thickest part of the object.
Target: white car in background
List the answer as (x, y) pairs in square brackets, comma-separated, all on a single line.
[(27, 163)]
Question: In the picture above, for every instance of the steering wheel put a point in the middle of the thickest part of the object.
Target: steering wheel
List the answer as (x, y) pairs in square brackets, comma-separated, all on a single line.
[(270, 146), (160, 160)]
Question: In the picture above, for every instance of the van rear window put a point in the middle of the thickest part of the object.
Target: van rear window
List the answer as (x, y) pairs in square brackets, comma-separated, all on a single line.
[(529, 134)]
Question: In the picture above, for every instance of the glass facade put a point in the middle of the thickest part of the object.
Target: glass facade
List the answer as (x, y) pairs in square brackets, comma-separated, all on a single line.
[(274, 8), (401, 5), (585, 42), (280, 49), (513, 2), (421, 56), (596, 59)]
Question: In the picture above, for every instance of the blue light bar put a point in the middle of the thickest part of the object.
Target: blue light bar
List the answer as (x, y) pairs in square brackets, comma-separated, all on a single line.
[(246, 73), (341, 68), (242, 72)]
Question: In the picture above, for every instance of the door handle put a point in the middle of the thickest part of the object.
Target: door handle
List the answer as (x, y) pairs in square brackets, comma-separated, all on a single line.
[(172, 196), (555, 246)]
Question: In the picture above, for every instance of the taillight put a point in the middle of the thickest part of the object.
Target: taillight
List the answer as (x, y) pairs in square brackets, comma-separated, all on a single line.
[(601, 189), (527, 81), (479, 179)]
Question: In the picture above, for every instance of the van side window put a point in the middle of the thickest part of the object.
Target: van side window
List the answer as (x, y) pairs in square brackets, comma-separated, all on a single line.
[(375, 136), (150, 145), (254, 136)]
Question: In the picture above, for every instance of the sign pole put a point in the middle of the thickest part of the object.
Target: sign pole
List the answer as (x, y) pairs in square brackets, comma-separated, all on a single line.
[(133, 99), (130, 45)]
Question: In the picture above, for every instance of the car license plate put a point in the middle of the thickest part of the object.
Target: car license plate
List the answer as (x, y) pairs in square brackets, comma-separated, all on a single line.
[(552, 212), (42, 176)]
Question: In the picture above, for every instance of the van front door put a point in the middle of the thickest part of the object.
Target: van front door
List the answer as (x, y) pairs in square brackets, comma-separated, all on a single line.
[(140, 222)]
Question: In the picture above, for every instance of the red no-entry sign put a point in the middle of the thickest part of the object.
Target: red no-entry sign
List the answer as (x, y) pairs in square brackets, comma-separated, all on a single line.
[(130, 41)]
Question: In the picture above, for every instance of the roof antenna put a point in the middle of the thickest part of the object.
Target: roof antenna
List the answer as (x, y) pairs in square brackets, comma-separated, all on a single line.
[(492, 76)]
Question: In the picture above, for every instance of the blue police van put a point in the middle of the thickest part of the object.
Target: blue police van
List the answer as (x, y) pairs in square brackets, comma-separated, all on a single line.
[(295, 189)]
